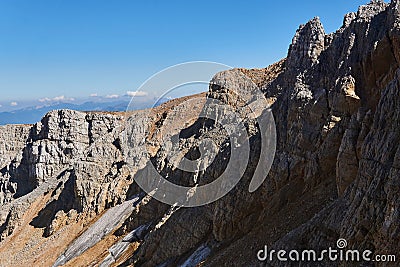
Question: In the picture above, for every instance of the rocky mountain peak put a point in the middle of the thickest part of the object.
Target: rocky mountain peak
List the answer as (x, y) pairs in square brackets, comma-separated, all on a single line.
[(372, 9), (307, 45), (68, 195)]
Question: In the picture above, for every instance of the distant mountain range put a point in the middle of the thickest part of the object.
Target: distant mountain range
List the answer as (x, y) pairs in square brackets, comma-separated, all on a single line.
[(32, 115)]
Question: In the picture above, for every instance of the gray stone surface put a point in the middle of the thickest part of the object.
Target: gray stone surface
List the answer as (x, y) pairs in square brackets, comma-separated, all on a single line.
[(335, 99)]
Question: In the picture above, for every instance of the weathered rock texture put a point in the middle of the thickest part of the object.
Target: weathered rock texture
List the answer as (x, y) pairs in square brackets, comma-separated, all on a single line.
[(336, 103)]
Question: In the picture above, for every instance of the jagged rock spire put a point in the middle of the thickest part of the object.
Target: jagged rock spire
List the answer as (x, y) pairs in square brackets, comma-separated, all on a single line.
[(307, 45)]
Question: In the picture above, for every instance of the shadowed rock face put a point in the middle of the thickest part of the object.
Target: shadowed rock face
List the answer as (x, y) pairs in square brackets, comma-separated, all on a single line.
[(336, 103)]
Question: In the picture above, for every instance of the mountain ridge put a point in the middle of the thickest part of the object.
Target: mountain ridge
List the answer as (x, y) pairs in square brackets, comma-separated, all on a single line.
[(335, 101)]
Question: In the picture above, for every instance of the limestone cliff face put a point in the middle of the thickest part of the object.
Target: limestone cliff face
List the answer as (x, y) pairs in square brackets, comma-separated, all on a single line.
[(68, 194)]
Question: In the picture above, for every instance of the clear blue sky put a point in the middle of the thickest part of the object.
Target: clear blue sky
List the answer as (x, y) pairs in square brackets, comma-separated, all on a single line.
[(74, 48)]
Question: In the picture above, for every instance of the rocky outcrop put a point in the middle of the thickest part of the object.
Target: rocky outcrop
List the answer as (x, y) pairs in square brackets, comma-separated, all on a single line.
[(335, 100), (307, 45), (12, 141)]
